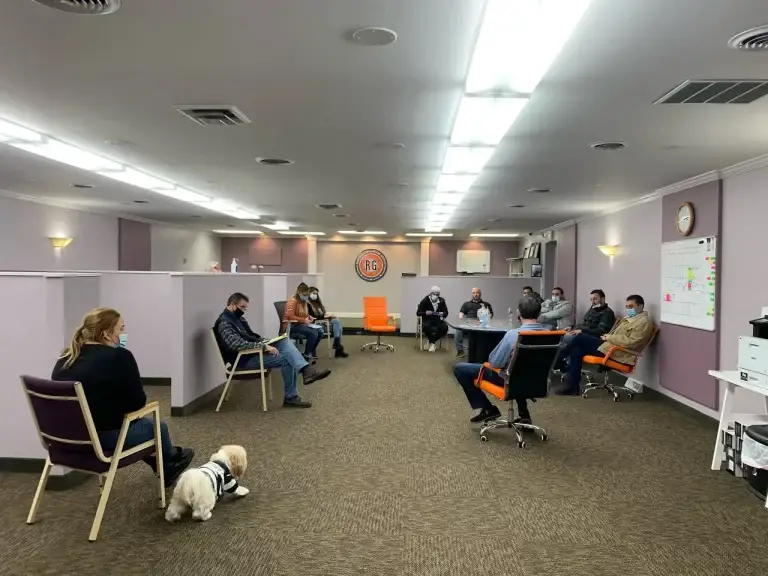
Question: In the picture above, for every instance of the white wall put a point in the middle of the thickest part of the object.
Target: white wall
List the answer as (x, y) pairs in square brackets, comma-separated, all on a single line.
[(181, 250), (26, 226), (343, 290)]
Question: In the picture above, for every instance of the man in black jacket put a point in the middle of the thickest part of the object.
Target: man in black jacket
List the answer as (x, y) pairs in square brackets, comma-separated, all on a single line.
[(432, 309), (469, 310)]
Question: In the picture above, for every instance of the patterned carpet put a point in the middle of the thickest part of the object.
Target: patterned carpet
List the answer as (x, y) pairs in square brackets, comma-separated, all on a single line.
[(385, 476)]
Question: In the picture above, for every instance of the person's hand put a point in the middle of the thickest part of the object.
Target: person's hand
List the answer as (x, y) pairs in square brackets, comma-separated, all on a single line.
[(574, 332), (271, 350), (604, 337), (440, 314), (429, 312), (307, 320)]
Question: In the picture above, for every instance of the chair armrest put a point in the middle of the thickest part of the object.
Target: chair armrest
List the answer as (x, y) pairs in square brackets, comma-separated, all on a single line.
[(488, 366), (617, 348), (148, 409)]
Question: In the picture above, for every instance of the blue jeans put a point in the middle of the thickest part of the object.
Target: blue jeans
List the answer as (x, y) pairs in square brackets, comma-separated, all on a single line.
[(139, 431), (289, 361), (458, 336), (311, 335), (467, 373), (581, 345)]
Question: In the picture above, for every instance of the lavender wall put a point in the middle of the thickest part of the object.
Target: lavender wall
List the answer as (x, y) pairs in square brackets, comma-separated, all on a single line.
[(442, 255), (134, 241), (565, 269), (687, 354), (293, 253)]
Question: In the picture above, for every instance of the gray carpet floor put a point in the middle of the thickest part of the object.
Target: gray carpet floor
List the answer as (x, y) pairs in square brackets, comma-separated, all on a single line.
[(385, 476)]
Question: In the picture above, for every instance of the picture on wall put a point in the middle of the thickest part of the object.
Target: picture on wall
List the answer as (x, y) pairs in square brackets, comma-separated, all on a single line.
[(371, 265)]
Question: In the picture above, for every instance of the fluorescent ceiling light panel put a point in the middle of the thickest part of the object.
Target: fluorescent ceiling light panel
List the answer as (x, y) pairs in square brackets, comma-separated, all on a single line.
[(278, 226), (363, 233), (485, 121), (138, 179), (185, 195), (66, 154), (518, 42), (466, 160), (439, 210), (447, 199), (493, 235), (455, 182), (427, 234), (301, 233), (233, 231), (433, 229), (10, 132), (244, 214)]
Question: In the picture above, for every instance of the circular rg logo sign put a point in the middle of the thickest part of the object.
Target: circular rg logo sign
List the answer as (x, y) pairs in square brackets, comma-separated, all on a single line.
[(371, 265)]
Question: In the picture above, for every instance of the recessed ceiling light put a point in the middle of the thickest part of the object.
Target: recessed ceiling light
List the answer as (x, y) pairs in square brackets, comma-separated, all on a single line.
[(271, 161), (493, 235), (328, 206), (363, 233), (100, 8), (82, 186), (539, 190), (428, 234), (516, 206), (608, 146), (300, 233), (373, 36), (248, 232), (141, 201)]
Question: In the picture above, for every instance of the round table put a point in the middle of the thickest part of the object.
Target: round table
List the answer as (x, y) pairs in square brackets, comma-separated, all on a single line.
[(482, 340)]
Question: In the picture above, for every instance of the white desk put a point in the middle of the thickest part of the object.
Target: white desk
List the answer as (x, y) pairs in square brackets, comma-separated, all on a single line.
[(732, 380)]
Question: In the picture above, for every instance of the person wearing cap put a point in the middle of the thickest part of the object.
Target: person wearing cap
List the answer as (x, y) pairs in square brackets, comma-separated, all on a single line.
[(432, 310)]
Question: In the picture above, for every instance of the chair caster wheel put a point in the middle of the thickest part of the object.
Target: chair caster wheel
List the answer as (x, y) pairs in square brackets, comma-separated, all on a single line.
[(483, 438), (376, 351), (630, 396), (584, 395), (616, 398), (521, 444), (544, 437)]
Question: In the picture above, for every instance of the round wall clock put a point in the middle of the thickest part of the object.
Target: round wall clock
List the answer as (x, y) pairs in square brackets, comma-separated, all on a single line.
[(685, 219)]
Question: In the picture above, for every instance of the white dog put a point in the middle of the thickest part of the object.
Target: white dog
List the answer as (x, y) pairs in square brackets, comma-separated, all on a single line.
[(200, 488)]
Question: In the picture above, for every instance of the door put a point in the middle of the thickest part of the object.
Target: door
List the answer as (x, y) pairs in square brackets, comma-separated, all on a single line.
[(550, 264)]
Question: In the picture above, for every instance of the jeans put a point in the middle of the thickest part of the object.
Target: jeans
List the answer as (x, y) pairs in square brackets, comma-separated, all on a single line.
[(434, 331), (139, 431), (458, 336), (311, 335), (466, 374), (335, 329), (289, 361), (581, 345)]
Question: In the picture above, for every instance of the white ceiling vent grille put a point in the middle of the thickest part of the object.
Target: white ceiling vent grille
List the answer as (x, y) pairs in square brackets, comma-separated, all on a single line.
[(328, 206), (716, 92), (754, 39), (86, 7), (220, 115)]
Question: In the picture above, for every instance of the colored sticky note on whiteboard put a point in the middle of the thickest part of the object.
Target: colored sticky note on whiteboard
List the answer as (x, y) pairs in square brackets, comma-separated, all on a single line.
[(706, 258)]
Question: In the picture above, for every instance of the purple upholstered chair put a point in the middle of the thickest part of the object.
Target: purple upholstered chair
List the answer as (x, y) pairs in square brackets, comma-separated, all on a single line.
[(66, 429)]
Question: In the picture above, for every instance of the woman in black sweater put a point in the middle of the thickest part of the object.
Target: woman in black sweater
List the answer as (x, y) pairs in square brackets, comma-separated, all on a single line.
[(108, 372)]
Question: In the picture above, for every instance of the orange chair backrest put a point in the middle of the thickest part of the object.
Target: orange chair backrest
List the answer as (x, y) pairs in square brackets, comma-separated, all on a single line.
[(374, 311)]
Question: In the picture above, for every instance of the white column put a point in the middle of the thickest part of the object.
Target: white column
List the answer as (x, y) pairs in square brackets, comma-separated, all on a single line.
[(311, 255), (424, 267)]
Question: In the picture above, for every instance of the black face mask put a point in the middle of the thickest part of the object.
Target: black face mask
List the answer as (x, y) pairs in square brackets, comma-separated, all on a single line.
[(239, 313)]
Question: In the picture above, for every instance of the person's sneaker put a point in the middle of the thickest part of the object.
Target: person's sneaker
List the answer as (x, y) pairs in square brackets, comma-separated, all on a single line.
[(178, 463), (486, 414), (522, 421), (431, 347), (296, 402), (426, 346), (340, 352), (311, 375)]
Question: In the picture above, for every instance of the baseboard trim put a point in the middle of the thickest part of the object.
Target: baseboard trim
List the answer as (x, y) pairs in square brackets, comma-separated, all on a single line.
[(156, 381), (680, 407), (207, 398), (71, 479)]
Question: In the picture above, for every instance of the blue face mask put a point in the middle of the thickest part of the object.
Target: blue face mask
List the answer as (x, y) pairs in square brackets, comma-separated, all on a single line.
[(304, 298), (631, 312), (123, 341)]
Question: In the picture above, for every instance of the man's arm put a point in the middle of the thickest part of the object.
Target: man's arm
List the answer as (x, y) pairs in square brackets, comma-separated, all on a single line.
[(249, 330), (463, 310), (421, 309), (566, 309), (607, 320), (500, 355), (634, 339), (234, 341)]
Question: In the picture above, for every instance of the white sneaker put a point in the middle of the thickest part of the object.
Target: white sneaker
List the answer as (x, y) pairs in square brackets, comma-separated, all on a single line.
[(426, 347), (431, 347)]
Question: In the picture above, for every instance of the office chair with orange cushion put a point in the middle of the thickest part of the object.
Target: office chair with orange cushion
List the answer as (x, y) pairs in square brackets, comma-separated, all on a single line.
[(606, 365), (377, 321), (525, 377)]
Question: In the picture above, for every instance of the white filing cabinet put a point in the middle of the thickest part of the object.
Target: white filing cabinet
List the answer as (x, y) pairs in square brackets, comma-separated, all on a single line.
[(753, 360)]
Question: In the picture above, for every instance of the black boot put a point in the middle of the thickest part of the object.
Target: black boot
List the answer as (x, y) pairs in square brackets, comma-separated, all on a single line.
[(340, 353)]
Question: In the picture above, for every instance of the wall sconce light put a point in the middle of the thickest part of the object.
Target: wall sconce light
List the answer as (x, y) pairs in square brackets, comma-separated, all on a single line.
[(609, 250), (61, 242)]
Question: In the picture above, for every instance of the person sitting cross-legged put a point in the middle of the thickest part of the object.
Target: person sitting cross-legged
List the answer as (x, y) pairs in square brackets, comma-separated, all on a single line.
[(233, 334), (631, 332), (432, 310), (297, 313), (528, 311), (318, 312)]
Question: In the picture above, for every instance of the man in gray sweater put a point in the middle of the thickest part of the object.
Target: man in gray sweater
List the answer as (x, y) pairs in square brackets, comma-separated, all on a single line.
[(557, 312)]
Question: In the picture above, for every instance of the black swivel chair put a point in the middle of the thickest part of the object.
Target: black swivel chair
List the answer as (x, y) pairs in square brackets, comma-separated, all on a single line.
[(525, 377)]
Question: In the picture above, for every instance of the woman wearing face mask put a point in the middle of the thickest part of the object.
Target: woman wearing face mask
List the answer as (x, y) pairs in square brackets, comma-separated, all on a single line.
[(432, 309), (297, 312), (318, 311), (97, 358)]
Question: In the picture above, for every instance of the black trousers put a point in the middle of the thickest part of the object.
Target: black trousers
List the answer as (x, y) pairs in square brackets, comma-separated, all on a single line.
[(434, 331)]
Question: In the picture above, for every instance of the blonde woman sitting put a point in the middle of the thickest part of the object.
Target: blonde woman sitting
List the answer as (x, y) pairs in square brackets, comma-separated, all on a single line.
[(98, 359), (297, 312)]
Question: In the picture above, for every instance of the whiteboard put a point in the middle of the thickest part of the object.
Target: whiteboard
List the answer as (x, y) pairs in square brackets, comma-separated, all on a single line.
[(688, 285), (473, 261)]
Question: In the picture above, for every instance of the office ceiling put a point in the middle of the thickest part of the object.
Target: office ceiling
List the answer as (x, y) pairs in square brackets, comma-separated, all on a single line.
[(108, 84)]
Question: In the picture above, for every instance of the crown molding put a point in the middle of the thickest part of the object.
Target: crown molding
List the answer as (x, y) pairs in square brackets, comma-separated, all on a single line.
[(747, 166)]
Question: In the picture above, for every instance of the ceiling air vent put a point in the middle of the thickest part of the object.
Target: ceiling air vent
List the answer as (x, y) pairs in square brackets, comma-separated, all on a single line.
[(274, 161), (716, 92), (85, 7), (328, 206), (754, 39), (214, 115), (608, 146), (539, 190)]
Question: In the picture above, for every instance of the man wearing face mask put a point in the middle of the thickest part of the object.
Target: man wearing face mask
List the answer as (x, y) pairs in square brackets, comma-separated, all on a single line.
[(432, 309), (469, 310), (233, 334), (557, 312), (631, 333)]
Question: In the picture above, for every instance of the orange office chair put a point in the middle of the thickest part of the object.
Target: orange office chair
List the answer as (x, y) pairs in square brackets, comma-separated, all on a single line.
[(377, 321), (525, 377), (605, 365)]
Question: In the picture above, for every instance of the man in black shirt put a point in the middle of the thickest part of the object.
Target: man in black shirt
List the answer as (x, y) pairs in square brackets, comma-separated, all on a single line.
[(469, 310)]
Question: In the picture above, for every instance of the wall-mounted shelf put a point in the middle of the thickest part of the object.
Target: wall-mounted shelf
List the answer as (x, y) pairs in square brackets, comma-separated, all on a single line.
[(521, 267)]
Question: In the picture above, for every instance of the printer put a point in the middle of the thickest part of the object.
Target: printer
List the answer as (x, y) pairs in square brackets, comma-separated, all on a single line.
[(753, 353)]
